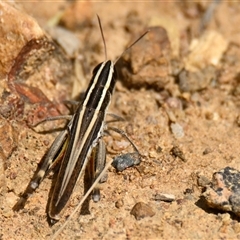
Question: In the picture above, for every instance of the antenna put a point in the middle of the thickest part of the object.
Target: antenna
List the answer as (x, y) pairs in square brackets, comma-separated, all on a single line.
[(104, 43), (131, 46)]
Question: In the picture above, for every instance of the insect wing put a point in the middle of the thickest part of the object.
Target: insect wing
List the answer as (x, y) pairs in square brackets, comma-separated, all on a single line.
[(85, 131)]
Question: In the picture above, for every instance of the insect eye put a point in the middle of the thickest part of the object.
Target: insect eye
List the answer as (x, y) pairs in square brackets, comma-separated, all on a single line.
[(96, 68)]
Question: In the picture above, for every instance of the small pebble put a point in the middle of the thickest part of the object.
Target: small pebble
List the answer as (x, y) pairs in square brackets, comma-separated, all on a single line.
[(119, 203), (164, 197), (177, 130), (188, 191), (207, 151), (203, 181), (142, 210), (152, 154), (181, 201), (177, 152), (125, 161)]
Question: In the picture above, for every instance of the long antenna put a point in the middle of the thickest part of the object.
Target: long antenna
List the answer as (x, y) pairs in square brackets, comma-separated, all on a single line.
[(131, 46), (104, 43)]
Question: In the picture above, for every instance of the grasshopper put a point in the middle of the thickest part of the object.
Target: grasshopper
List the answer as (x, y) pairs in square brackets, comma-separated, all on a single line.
[(81, 140)]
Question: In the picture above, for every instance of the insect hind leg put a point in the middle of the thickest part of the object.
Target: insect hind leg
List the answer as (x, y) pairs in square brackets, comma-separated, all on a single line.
[(96, 166), (49, 161)]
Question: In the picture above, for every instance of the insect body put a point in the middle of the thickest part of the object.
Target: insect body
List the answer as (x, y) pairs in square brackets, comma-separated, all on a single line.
[(74, 145), (85, 130)]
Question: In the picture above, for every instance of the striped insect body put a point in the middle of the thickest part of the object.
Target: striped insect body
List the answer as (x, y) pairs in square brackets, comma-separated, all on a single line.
[(80, 142), (87, 128)]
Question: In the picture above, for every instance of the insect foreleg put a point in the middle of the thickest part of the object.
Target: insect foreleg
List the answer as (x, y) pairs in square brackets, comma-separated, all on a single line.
[(121, 132), (65, 117)]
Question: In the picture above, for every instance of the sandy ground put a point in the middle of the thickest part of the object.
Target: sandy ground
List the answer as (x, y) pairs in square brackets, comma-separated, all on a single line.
[(181, 106)]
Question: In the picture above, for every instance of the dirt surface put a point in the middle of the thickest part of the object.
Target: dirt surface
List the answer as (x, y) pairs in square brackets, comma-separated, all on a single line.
[(178, 91)]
